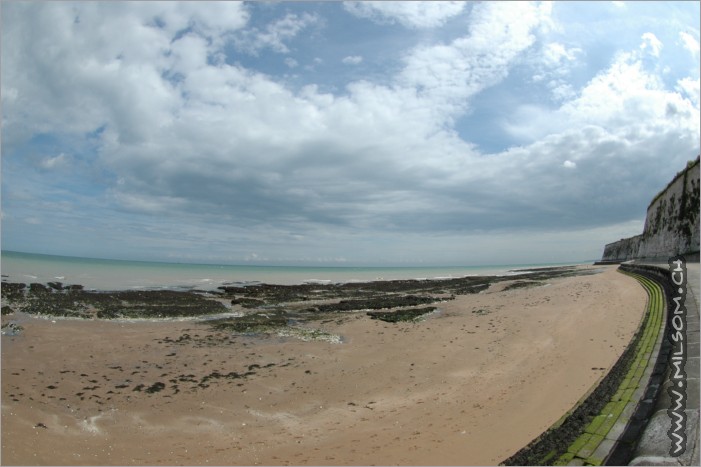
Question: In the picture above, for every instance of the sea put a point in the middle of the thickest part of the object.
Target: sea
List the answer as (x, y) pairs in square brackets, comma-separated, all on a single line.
[(110, 274)]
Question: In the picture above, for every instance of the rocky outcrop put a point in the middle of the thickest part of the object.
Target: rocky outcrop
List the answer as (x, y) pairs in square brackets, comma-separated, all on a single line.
[(671, 225)]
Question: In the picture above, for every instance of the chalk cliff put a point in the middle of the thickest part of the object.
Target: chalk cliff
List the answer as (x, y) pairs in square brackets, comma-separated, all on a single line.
[(671, 225)]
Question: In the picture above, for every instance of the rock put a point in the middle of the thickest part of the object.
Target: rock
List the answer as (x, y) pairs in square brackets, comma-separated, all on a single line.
[(411, 314), (11, 329)]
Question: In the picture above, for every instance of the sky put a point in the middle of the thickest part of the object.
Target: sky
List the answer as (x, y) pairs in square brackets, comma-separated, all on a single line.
[(342, 133)]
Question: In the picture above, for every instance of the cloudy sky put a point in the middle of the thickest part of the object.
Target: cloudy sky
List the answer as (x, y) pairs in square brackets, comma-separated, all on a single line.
[(342, 133)]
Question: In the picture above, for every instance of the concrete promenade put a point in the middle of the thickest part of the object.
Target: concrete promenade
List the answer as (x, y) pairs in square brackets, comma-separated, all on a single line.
[(654, 445)]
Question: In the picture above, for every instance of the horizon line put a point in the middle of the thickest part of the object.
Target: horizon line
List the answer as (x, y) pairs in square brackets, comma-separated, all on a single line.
[(302, 265)]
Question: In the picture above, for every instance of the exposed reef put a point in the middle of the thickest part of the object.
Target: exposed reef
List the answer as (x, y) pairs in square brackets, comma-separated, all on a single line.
[(73, 301), (411, 314), (263, 309)]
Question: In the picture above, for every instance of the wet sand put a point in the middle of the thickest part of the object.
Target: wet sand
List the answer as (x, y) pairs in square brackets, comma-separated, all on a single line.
[(471, 384)]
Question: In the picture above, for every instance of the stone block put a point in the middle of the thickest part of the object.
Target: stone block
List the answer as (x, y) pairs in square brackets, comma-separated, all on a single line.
[(628, 411), (638, 394), (617, 430), (654, 460), (601, 452), (564, 459), (654, 441), (644, 410), (633, 430), (618, 395), (579, 443), (691, 367), (660, 368), (595, 424), (651, 391), (621, 454), (692, 395), (590, 446), (608, 423)]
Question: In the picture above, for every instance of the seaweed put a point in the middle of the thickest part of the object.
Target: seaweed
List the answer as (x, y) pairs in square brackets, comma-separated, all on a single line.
[(410, 314)]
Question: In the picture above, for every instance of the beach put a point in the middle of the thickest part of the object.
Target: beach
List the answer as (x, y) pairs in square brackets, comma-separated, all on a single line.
[(470, 383)]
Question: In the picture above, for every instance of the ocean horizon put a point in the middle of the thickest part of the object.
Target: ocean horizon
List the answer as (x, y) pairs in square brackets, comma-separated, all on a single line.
[(118, 274)]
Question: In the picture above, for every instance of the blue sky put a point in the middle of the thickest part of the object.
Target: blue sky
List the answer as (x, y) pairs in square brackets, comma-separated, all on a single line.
[(342, 133)]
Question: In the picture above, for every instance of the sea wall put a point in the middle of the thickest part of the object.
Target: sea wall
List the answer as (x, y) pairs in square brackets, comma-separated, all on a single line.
[(671, 224)]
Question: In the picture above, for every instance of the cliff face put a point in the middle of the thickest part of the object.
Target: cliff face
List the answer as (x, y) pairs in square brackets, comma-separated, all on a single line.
[(671, 225), (622, 250)]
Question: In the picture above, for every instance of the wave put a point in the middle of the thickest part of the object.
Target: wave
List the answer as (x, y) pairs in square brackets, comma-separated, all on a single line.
[(317, 281)]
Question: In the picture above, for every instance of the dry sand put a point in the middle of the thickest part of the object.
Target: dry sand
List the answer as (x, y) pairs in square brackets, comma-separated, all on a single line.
[(470, 385)]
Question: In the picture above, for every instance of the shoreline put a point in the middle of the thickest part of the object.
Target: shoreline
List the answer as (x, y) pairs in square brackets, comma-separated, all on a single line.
[(115, 275), (471, 384)]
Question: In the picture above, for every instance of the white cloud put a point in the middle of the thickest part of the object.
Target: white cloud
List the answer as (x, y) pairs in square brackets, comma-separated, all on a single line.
[(690, 86), (237, 129), (628, 95), (239, 158), (275, 35), (149, 203), (651, 44), (189, 52), (690, 43), (553, 66), (214, 20), (561, 91), (449, 74), (352, 59), (50, 163), (291, 62), (554, 54), (103, 74), (410, 14)]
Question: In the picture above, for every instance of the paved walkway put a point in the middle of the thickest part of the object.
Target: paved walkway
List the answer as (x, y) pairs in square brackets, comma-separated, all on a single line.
[(654, 445)]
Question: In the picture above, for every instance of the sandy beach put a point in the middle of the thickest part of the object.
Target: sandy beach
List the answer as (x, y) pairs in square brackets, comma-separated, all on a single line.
[(470, 384)]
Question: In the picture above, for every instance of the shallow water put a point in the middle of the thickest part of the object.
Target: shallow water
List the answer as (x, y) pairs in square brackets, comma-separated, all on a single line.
[(104, 274)]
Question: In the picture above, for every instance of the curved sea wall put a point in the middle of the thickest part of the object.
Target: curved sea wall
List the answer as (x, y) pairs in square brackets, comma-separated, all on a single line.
[(671, 224), (604, 426)]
